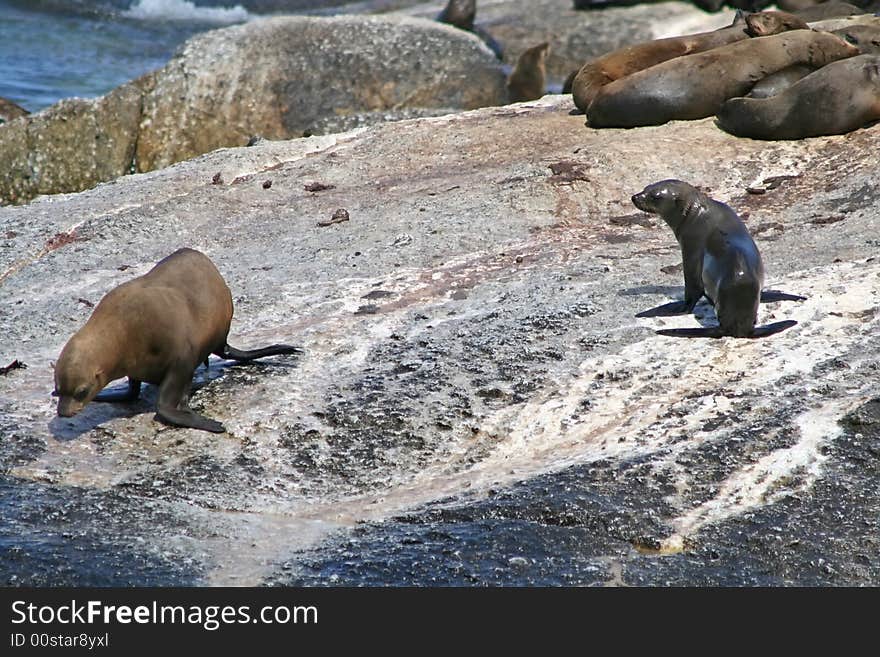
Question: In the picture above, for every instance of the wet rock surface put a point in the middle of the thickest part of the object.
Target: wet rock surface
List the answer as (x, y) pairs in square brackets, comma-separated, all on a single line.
[(476, 402)]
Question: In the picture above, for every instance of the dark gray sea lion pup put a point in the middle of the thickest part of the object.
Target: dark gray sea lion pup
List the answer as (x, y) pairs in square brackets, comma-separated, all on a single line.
[(156, 328), (695, 86), (720, 260), (838, 98), (528, 79), (461, 14)]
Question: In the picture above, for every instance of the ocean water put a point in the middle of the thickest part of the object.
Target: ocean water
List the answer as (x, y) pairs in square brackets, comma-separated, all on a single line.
[(54, 49)]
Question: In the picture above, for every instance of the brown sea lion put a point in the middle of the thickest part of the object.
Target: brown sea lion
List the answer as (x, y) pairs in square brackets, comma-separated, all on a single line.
[(865, 37), (10, 111), (695, 86), (155, 328), (720, 260), (528, 79), (620, 63), (826, 10), (838, 98), (768, 23), (779, 81)]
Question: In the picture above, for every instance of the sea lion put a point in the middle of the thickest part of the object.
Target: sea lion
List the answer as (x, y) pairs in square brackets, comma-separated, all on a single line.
[(768, 23), (462, 14), (865, 37), (459, 13), (528, 79), (838, 98), (827, 10), (155, 328), (720, 260), (695, 86), (622, 62), (779, 81), (10, 111)]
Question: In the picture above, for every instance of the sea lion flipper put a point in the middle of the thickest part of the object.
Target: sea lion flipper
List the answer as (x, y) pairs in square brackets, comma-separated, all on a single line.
[(771, 329), (231, 353), (186, 418), (131, 394), (768, 296), (667, 310), (173, 396)]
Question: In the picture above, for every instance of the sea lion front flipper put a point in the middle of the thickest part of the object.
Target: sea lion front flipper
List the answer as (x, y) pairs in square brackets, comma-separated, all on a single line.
[(130, 395), (770, 329), (768, 296), (231, 353), (667, 310), (190, 419), (173, 393)]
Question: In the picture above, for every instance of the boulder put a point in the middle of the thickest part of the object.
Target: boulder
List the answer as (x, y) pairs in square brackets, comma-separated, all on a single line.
[(576, 36), (280, 77), (276, 78), (73, 145)]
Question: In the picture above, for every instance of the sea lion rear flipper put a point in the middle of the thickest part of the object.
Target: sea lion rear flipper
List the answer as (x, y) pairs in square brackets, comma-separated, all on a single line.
[(231, 353), (770, 329), (768, 296), (667, 310), (133, 392)]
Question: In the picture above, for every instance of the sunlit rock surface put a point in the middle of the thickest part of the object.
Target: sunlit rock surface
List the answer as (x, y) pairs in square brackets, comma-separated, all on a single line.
[(476, 402)]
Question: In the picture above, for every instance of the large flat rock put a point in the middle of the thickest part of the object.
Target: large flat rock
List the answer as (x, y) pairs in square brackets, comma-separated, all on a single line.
[(469, 345)]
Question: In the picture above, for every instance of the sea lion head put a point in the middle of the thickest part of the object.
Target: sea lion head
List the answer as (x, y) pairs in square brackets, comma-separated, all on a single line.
[(78, 378), (673, 200), (664, 196), (460, 14), (865, 37), (767, 23)]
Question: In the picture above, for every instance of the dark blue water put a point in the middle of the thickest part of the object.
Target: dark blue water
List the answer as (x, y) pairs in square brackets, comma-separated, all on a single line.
[(54, 49)]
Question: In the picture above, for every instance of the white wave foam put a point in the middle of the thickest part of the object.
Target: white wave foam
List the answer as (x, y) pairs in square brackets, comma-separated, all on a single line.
[(184, 10)]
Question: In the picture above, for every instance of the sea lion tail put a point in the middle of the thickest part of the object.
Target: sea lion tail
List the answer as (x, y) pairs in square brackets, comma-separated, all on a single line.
[(231, 353)]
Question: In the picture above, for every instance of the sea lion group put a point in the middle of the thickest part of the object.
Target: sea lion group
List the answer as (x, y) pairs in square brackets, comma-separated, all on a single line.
[(766, 76), (159, 327)]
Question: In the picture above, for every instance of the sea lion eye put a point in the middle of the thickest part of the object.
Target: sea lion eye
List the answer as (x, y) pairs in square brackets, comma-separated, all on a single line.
[(81, 393), (54, 393)]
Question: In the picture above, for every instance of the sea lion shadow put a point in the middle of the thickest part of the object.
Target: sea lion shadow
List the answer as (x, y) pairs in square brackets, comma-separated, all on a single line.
[(664, 290), (68, 429)]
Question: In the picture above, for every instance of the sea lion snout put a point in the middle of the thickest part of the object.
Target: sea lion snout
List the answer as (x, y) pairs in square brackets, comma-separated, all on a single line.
[(640, 200), (68, 407)]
